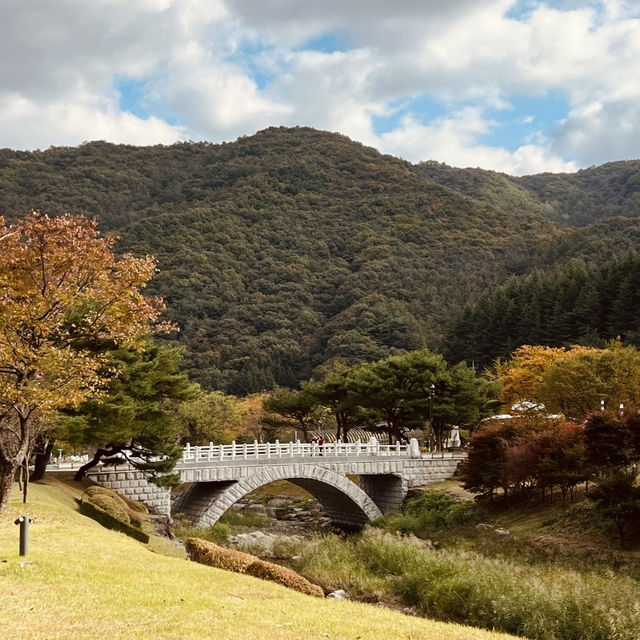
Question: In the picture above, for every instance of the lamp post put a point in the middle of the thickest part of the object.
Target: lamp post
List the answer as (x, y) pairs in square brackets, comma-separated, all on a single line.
[(432, 392)]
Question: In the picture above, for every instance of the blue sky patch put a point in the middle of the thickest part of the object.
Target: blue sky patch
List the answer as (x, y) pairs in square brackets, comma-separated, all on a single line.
[(131, 96), (133, 100), (250, 58), (528, 117), (522, 9), (423, 109), (328, 42)]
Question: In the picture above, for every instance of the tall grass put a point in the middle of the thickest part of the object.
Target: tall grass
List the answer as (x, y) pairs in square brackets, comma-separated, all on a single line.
[(536, 602), (82, 581), (431, 513)]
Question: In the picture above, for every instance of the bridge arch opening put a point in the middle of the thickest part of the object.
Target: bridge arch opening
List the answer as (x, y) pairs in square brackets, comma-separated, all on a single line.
[(342, 500)]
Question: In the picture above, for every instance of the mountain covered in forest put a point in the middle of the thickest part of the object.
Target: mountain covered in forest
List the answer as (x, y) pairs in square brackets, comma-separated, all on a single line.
[(287, 250), (572, 199)]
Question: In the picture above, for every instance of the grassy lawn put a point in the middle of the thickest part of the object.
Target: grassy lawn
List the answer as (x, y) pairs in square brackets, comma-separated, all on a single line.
[(83, 581)]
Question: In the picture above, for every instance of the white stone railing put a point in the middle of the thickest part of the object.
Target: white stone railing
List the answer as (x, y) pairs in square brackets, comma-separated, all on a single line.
[(268, 451)]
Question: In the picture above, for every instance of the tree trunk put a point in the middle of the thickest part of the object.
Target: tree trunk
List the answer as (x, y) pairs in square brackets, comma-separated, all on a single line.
[(100, 453), (13, 453), (25, 479), (7, 477), (41, 461)]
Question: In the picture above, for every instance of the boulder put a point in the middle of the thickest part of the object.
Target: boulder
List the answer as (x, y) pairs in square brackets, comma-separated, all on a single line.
[(340, 594)]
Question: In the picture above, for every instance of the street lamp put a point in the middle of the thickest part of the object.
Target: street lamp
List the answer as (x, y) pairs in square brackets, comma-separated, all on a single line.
[(432, 392)]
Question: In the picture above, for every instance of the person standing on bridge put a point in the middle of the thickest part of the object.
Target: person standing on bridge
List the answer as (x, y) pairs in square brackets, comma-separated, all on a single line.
[(321, 444)]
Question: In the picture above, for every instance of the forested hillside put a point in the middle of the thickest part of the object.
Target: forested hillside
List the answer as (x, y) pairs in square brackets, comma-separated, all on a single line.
[(283, 251), (578, 302), (573, 199)]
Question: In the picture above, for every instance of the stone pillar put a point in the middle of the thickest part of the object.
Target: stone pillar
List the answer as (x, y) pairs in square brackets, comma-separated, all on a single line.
[(387, 491)]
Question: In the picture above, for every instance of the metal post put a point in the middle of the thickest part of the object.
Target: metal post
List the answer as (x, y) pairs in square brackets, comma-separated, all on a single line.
[(432, 433), (24, 521)]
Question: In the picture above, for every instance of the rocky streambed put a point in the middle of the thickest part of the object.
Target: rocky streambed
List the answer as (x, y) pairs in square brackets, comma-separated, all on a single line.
[(269, 526)]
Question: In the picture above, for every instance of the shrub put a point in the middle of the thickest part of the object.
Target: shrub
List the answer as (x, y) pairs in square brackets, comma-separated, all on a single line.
[(282, 575), (184, 529), (88, 508), (213, 555), (97, 490), (135, 511), (113, 505), (618, 499), (431, 513)]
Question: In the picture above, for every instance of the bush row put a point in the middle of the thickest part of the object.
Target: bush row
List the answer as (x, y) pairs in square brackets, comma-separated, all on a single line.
[(106, 519), (128, 511), (213, 555)]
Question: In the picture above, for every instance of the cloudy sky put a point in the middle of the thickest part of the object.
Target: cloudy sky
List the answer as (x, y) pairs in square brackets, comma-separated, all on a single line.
[(520, 86)]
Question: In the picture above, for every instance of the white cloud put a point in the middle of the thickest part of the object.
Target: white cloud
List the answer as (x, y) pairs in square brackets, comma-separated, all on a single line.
[(198, 63), (454, 140), (602, 131), (26, 124)]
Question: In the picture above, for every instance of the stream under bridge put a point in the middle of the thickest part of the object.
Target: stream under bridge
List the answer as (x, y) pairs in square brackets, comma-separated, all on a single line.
[(355, 482)]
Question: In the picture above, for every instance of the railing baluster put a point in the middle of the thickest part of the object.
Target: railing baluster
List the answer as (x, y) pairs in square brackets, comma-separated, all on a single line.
[(298, 449)]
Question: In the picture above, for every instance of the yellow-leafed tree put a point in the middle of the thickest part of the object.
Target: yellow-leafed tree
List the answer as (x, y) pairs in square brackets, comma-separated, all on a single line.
[(573, 381), (62, 292)]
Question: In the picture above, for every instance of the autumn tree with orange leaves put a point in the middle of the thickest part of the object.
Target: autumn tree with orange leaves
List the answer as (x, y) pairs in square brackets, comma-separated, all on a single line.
[(573, 381), (62, 292)]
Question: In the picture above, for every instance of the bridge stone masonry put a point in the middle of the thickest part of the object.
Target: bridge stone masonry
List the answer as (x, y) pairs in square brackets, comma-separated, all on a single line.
[(354, 482)]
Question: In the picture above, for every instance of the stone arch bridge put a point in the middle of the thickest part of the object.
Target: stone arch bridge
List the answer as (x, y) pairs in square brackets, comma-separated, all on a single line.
[(354, 482)]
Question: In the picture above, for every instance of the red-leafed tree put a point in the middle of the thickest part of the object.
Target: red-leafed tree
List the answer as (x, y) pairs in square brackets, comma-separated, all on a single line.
[(62, 292), (485, 468), (523, 454), (560, 457)]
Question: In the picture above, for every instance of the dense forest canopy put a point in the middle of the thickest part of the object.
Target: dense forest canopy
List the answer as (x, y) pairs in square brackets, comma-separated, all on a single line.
[(285, 251), (572, 199)]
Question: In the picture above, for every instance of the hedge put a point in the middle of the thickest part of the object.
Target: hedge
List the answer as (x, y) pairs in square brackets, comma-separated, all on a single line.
[(91, 510), (214, 555)]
